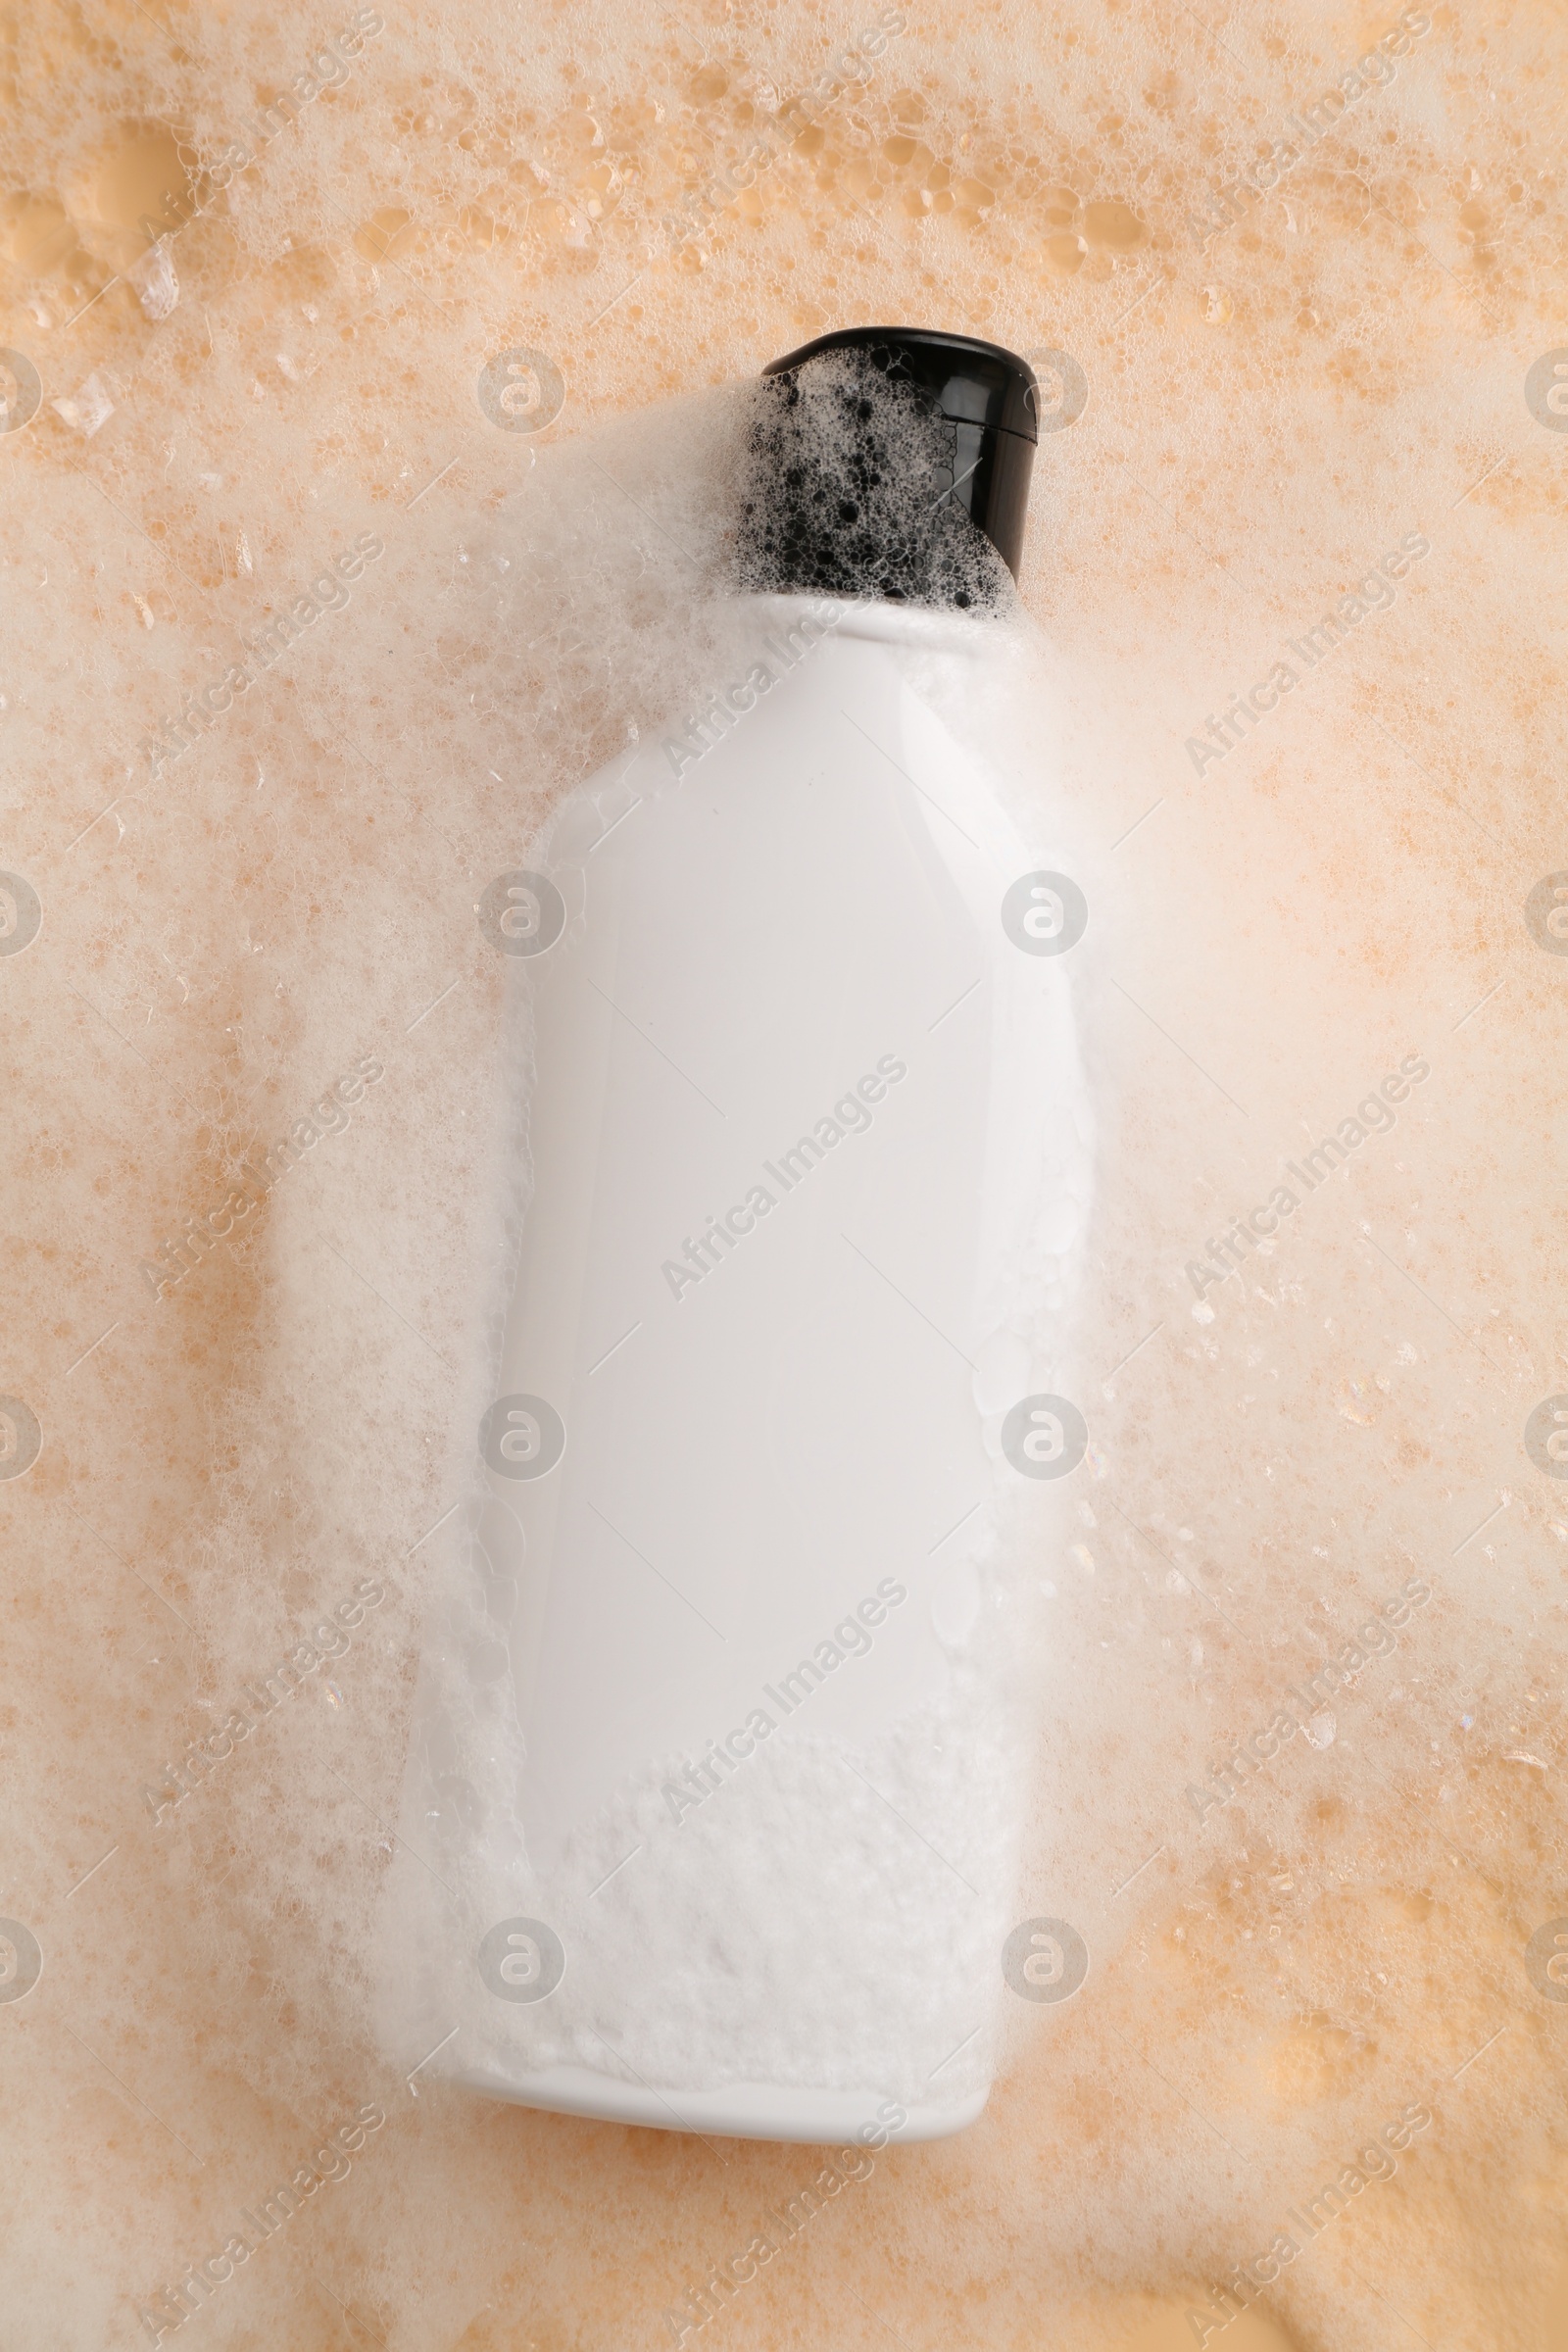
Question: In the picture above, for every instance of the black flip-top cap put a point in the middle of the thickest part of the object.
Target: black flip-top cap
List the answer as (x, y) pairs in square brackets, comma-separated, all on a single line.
[(980, 401)]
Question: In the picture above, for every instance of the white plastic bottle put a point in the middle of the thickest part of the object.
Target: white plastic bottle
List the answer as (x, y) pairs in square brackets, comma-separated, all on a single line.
[(729, 1824)]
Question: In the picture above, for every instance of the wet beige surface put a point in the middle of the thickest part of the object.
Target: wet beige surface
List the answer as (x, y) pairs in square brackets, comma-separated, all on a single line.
[(242, 345)]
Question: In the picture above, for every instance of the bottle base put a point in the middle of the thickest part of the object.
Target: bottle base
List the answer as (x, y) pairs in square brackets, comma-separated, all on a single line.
[(740, 2111)]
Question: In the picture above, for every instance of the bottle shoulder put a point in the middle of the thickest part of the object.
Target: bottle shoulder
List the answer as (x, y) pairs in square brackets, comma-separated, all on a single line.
[(819, 686)]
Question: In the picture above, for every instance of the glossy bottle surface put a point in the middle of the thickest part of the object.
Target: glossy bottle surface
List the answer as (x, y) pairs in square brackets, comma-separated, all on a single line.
[(807, 1151)]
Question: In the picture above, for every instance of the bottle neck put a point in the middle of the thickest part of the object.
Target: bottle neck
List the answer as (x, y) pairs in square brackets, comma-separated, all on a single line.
[(941, 628)]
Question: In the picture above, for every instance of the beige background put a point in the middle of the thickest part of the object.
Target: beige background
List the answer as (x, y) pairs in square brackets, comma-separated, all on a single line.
[(1269, 412)]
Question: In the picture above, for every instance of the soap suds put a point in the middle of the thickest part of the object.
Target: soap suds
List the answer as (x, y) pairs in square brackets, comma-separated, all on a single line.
[(218, 943)]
